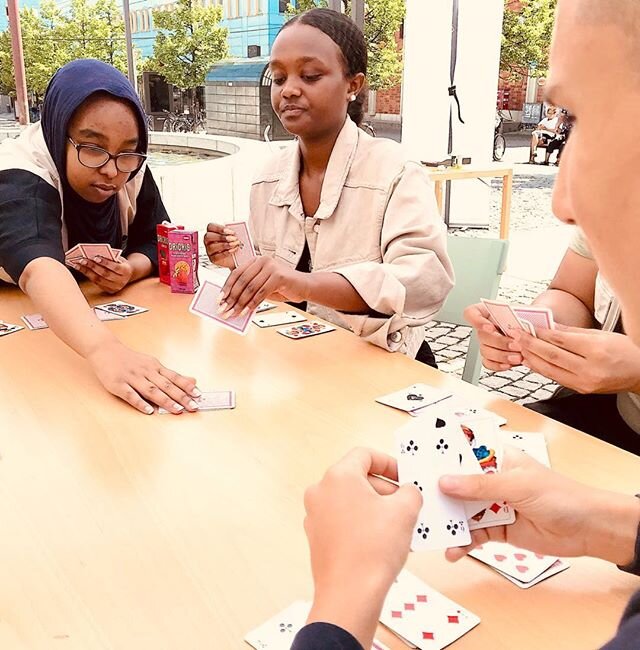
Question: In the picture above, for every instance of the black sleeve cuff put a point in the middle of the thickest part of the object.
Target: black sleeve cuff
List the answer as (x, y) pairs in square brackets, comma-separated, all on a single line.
[(634, 567), (324, 636), (149, 250), (15, 265)]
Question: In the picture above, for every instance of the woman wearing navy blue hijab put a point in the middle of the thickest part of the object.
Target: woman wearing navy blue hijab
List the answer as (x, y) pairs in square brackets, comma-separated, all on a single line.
[(79, 176)]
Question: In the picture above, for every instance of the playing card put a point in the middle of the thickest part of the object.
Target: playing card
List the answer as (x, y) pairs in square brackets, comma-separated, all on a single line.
[(462, 411), (557, 567), (422, 615), (121, 308), (215, 401), (415, 397), (90, 251), (427, 448), (305, 330), (279, 318), (74, 253), (540, 317), (246, 252), (35, 322), (280, 630), (518, 563), (503, 316), (265, 306), (105, 315), (482, 435), (7, 328), (533, 444), (205, 304)]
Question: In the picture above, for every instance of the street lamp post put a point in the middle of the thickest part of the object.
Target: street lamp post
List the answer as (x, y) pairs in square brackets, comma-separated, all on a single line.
[(18, 62), (357, 10), (127, 34)]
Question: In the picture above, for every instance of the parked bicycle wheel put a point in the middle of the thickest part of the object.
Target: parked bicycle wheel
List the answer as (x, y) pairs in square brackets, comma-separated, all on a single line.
[(368, 128), (499, 147)]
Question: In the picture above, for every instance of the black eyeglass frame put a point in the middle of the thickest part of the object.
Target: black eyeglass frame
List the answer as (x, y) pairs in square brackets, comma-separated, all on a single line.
[(141, 156)]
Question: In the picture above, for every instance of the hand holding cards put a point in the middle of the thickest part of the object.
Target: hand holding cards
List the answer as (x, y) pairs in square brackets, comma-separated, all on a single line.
[(90, 252), (509, 319)]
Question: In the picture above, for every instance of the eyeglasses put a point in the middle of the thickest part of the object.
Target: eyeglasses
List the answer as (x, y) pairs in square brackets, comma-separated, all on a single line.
[(94, 157)]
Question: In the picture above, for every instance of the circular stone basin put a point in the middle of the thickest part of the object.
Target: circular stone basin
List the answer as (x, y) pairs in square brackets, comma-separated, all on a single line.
[(161, 155)]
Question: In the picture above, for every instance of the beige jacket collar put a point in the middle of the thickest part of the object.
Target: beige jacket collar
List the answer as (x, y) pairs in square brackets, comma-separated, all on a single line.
[(287, 192)]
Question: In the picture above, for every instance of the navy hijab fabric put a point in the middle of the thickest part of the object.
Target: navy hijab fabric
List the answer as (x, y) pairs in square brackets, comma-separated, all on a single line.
[(68, 89)]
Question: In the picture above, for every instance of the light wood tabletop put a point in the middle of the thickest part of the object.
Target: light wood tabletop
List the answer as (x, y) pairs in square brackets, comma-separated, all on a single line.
[(125, 531), (466, 172)]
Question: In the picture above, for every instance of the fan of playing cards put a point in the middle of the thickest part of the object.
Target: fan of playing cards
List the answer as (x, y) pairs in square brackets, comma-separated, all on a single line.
[(89, 252), (509, 319)]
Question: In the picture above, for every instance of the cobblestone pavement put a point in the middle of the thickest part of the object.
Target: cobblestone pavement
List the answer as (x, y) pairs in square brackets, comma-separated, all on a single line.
[(531, 210)]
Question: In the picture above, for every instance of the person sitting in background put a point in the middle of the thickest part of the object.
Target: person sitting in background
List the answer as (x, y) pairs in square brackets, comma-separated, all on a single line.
[(558, 143), (358, 525), (344, 223), (595, 363), (544, 133), (79, 176)]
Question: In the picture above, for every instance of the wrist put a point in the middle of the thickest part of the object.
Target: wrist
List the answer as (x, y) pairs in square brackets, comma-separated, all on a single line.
[(613, 528), (104, 345), (304, 282)]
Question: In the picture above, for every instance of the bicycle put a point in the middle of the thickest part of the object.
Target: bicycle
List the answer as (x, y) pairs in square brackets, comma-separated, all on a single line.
[(367, 127), (499, 141), (168, 126)]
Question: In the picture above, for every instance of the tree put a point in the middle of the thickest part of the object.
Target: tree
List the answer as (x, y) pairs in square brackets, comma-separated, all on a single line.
[(43, 54), (382, 21), (189, 41), (526, 37)]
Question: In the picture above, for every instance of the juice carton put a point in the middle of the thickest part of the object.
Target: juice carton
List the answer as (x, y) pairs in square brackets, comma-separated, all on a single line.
[(162, 229), (183, 261)]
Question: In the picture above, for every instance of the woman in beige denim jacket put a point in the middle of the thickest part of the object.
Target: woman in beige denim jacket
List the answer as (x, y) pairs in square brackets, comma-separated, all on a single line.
[(337, 202)]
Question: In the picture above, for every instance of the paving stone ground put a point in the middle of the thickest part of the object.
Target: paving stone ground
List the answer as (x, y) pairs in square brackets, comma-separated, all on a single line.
[(531, 209)]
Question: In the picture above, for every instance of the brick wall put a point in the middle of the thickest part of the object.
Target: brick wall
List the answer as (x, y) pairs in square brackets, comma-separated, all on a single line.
[(388, 101)]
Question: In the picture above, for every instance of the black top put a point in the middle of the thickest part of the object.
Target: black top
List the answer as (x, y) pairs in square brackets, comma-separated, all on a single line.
[(304, 266), (31, 227), (324, 636)]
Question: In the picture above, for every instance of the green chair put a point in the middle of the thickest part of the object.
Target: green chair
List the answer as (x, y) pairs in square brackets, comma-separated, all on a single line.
[(478, 265)]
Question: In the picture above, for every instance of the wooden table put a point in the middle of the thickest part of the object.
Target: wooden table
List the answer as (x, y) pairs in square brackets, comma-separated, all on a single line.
[(492, 170), (125, 531)]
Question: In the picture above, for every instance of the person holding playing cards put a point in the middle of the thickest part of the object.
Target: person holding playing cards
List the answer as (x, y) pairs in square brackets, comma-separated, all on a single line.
[(79, 176), (359, 526), (588, 353), (344, 223)]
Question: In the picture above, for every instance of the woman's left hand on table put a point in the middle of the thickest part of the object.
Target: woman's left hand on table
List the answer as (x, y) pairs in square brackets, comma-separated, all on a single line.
[(259, 280), (110, 276)]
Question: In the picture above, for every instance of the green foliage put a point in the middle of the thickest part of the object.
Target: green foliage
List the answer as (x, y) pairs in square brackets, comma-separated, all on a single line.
[(526, 37), (189, 41), (50, 39), (382, 21)]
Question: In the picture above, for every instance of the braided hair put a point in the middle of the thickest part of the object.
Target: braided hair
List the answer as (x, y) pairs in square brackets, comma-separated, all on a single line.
[(349, 38)]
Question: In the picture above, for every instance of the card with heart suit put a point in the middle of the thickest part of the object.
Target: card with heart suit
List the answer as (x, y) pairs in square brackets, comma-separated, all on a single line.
[(35, 322), (246, 252), (518, 563), (8, 328), (503, 317), (557, 567), (423, 616), (538, 317), (427, 448), (414, 398), (205, 304), (305, 330), (279, 631), (533, 444), (279, 318), (218, 400), (90, 251)]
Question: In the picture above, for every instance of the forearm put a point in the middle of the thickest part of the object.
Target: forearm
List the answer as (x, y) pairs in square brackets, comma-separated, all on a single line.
[(142, 266), (566, 308), (613, 527), (57, 297), (334, 291), (351, 605)]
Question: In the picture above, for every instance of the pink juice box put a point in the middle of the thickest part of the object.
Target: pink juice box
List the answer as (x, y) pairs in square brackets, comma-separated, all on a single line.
[(183, 261)]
